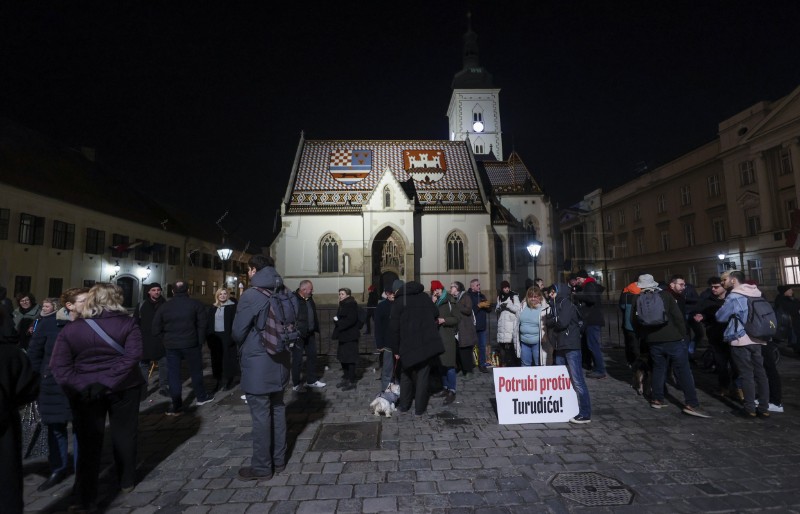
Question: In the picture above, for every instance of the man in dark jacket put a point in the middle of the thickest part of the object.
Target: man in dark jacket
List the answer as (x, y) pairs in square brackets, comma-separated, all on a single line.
[(480, 306), (592, 310), (565, 336), (181, 326), (413, 336), (382, 313), (152, 347), (264, 376), (307, 324), (667, 347)]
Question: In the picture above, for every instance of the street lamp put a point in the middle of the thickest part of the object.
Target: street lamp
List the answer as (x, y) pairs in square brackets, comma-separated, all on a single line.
[(534, 247), (224, 252), (116, 271), (721, 256)]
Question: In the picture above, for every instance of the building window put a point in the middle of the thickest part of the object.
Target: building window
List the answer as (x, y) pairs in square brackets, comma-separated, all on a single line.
[(661, 202), (63, 236), (55, 287), (206, 261), (31, 229), (202, 288), (691, 276), (455, 252), (755, 271), (478, 149), (22, 284), (688, 234), (713, 186), (718, 229), (686, 195), (637, 212), (119, 245), (174, 256), (95, 241), (346, 264), (746, 175), (664, 240), (329, 254), (753, 225), (640, 248), (5, 218), (786, 161), (387, 197), (191, 285), (621, 216), (623, 248), (609, 225), (477, 116), (791, 270), (159, 251), (142, 250), (791, 205)]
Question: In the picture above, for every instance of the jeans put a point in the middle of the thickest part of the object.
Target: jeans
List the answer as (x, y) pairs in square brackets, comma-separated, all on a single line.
[(268, 413), (387, 368), (572, 360), (593, 341), (672, 352), (750, 363), (58, 447), (482, 348), (194, 358), (773, 377), (449, 378), (307, 345), (529, 354)]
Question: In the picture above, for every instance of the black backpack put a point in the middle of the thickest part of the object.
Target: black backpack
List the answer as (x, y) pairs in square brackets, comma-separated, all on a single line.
[(650, 309), (279, 332), (761, 323), (362, 318)]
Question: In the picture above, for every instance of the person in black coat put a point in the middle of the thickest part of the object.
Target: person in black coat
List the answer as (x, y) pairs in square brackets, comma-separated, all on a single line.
[(19, 386), (413, 336), (224, 365), (152, 346), (347, 332)]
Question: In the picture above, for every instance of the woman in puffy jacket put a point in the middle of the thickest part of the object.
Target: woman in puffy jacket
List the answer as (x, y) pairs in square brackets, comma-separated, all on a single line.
[(507, 308)]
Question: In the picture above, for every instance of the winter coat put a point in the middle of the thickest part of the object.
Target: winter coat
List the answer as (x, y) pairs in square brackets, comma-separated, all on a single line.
[(306, 316), (152, 346), (467, 336), (481, 321), (507, 320), (382, 312), (627, 304), (735, 309), (347, 331), (448, 310), (81, 357), (262, 373), (591, 301), (715, 330), (540, 336), (53, 403), (787, 311), (412, 326), (562, 321), (181, 323)]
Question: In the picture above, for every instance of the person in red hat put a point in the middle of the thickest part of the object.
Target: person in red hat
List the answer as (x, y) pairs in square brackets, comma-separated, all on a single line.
[(449, 317)]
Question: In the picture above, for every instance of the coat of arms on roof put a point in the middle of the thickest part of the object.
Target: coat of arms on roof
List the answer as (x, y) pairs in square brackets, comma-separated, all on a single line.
[(350, 166), (425, 165)]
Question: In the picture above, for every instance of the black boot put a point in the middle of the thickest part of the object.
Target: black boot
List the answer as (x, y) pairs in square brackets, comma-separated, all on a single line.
[(53, 480)]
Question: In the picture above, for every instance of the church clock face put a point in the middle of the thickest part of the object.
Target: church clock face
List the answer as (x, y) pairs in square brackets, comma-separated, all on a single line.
[(477, 126)]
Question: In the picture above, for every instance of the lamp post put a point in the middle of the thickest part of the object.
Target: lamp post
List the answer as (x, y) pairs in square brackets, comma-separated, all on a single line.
[(116, 271), (534, 247), (224, 252)]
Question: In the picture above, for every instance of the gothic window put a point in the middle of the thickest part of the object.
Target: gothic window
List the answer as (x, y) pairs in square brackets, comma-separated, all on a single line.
[(387, 197), (390, 255), (329, 254), (455, 252)]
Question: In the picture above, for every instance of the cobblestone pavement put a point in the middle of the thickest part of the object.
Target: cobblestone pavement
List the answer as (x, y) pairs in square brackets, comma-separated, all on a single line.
[(630, 458)]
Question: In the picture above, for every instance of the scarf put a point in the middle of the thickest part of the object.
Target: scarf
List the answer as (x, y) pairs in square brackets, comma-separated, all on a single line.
[(442, 299), (504, 296)]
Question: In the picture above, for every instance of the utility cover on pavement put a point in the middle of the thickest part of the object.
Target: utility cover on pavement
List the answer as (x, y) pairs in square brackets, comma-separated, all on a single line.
[(591, 489), (348, 436)]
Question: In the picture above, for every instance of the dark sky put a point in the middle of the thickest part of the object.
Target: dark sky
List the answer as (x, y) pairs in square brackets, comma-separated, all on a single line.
[(203, 106)]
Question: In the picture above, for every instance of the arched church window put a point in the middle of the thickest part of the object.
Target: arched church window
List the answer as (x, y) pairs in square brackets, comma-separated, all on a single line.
[(329, 254), (455, 252), (478, 149), (387, 197)]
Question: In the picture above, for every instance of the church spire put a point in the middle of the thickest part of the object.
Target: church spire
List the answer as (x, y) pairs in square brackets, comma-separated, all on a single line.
[(472, 75)]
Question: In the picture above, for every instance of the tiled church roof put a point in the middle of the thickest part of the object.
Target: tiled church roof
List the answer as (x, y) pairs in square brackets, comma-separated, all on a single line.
[(339, 176), (511, 176)]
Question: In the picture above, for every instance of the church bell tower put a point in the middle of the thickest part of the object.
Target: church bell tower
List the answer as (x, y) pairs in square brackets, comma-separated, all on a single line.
[(474, 111)]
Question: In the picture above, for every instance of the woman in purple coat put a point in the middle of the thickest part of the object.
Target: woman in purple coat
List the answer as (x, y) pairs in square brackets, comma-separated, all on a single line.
[(96, 362)]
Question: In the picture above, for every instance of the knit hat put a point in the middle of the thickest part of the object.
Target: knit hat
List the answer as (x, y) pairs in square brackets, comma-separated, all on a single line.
[(371, 288), (151, 285), (435, 284), (397, 284), (585, 274), (646, 281), (505, 284)]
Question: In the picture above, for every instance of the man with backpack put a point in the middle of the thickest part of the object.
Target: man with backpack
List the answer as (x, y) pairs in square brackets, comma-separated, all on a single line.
[(264, 374), (664, 334), (748, 316)]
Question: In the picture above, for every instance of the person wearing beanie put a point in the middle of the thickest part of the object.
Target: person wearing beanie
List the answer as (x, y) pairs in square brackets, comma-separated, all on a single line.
[(152, 346), (448, 319), (507, 307)]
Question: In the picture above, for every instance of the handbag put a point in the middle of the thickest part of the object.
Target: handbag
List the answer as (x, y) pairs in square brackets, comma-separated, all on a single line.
[(34, 440)]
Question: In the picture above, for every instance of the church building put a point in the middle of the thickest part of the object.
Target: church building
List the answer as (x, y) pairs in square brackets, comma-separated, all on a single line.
[(358, 213)]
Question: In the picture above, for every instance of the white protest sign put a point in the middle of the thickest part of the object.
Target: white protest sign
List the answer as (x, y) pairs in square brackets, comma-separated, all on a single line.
[(539, 394)]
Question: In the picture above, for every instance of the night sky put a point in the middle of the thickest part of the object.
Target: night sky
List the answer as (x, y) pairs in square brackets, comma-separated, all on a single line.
[(202, 107)]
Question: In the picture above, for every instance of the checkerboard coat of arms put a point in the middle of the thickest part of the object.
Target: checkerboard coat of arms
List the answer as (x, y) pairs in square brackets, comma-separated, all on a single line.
[(350, 166)]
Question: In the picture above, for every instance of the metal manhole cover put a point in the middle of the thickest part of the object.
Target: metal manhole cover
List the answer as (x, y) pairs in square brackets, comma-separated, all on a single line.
[(348, 436), (591, 489)]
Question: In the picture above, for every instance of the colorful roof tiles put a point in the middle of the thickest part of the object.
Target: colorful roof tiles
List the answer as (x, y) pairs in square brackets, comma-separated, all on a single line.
[(511, 176)]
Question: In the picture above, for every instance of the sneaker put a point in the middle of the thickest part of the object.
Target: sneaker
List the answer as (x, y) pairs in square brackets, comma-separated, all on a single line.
[(243, 397), (299, 388), (762, 414), (483, 369), (317, 385), (248, 474), (488, 365), (596, 375), (173, 412), (580, 420), (657, 404), (450, 398), (207, 400), (695, 411), (775, 408)]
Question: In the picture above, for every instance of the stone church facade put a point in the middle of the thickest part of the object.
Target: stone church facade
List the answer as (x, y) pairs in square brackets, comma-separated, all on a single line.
[(365, 212)]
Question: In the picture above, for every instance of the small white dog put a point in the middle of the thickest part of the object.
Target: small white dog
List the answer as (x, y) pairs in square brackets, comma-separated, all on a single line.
[(384, 402)]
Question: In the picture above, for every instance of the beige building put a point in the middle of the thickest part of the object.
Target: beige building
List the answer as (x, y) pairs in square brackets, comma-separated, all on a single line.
[(65, 223), (728, 204)]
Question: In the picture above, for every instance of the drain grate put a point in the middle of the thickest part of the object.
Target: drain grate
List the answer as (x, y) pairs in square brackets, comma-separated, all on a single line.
[(347, 436), (591, 489)]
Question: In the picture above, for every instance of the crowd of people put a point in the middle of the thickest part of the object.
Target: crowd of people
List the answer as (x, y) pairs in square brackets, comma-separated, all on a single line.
[(88, 360)]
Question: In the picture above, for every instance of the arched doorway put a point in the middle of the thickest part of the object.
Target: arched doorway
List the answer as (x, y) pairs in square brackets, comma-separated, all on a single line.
[(388, 258), (129, 285)]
